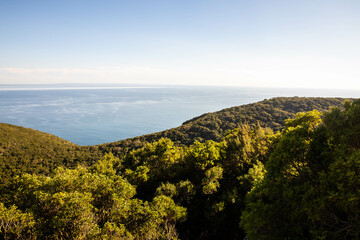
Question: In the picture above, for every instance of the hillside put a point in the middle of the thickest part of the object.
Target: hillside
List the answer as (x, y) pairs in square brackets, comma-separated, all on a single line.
[(269, 113), (27, 150), (31, 151), (252, 184)]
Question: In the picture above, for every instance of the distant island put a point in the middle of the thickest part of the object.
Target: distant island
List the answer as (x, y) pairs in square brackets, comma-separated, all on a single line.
[(281, 168)]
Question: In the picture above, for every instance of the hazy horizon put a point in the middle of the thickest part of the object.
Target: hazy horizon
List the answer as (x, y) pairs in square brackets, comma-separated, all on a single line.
[(64, 86)]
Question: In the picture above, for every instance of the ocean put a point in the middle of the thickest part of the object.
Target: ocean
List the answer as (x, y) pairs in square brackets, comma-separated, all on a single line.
[(96, 114)]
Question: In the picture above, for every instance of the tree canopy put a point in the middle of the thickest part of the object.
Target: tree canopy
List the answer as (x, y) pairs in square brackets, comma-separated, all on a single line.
[(298, 183)]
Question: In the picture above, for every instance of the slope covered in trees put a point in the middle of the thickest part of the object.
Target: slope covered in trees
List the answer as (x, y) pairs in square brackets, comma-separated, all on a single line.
[(300, 183), (269, 113), (310, 189), (84, 203), (27, 150)]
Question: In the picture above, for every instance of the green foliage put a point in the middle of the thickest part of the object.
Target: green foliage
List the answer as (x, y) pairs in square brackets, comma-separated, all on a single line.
[(68, 215), (23, 150), (157, 157), (166, 189), (270, 209), (85, 203), (15, 224), (140, 175), (147, 167), (255, 175), (168, 209), (197, 181), (310, 188), (106, 165), (185, 191), (205, 155), (269, 113), (343, 126), (211, 181), (335, 207)]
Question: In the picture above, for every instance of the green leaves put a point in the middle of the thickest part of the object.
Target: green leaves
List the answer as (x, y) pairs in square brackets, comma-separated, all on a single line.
[(85, 203), (211, 181), (335, 207), (168, 209), (69, 215), (15, 224), (310, 189), (301, 183), (204, 155)]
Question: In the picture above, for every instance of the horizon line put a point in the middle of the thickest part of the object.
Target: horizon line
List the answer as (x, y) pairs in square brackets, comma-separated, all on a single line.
[(93, 86)]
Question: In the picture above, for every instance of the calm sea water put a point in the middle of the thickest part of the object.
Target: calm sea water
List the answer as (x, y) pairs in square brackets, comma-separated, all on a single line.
[(95, 115)]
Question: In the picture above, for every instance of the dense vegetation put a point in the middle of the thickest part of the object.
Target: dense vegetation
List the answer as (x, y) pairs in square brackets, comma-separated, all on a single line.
[(269, 113), (300, 183), (160, 191), (27, 150), (311, 186), (24, 150)]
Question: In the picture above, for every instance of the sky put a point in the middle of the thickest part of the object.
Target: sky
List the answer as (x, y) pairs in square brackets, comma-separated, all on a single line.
[(260, 43)]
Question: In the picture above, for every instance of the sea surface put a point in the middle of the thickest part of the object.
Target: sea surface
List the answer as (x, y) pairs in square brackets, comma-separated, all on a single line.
[(96, 114)]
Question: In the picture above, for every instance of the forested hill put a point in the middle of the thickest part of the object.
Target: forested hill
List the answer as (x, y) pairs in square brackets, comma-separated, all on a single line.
[(31, 151), (269, 113), (27, 150), (298, 184)]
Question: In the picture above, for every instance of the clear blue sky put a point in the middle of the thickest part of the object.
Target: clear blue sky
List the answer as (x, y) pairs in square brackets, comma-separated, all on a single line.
[(307, 43)]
